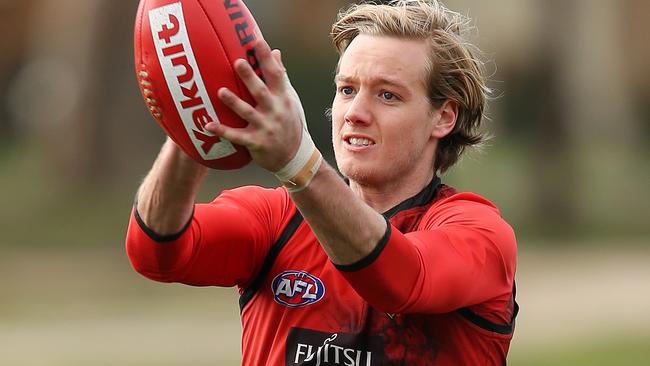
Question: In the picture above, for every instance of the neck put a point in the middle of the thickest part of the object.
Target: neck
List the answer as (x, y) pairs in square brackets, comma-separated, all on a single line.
[(383, 198)]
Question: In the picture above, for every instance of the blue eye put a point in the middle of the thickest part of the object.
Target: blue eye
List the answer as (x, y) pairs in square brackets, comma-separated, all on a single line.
[(388, 95), (347, 90)]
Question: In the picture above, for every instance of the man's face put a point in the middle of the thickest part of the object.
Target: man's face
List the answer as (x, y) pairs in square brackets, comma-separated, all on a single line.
[(381, 117)]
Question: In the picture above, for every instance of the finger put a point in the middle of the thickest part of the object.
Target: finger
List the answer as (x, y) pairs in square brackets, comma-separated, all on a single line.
[(272, 70), (241, 108), (277, 55), (237, 136), (254, 84)]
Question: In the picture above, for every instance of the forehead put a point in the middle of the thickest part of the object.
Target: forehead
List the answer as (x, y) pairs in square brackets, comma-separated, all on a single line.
[(383, 57)]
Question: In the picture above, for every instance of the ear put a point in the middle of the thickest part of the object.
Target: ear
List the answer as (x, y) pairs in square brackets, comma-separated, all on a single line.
[(444, 119)]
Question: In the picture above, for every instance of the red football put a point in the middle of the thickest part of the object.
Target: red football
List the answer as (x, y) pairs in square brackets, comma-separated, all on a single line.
[(184, 52)]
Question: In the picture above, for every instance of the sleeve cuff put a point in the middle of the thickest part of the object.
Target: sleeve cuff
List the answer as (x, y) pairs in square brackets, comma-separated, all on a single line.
[(155, 236), (371, 257)]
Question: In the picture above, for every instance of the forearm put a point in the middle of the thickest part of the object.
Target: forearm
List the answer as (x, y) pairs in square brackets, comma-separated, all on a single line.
[(166, 197), (347, 228)]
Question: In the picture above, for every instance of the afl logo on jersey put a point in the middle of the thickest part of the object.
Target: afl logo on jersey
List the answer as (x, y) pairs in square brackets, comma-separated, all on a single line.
[(297, 288)]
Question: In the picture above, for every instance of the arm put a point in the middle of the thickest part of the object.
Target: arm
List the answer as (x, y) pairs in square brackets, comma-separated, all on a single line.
[(464, 253), (171, 239), (347, 228), (166, 197), (224, 244)]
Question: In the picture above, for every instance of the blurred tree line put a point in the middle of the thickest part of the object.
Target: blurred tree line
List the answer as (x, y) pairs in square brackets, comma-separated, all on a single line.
[(570, 118)]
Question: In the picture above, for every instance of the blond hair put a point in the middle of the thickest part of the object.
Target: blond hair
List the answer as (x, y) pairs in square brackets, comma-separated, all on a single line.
[(453, 70)]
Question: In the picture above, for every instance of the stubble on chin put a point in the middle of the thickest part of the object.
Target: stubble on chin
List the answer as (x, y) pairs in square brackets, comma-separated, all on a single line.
[(362, 175)]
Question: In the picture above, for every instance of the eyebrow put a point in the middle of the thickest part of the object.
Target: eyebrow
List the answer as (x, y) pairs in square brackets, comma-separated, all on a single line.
[(378, 80)]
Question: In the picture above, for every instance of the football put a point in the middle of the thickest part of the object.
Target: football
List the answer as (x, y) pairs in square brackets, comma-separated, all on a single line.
[(184, 52)]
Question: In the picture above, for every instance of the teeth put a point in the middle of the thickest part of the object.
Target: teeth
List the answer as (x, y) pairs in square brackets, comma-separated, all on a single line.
[(357, 141)]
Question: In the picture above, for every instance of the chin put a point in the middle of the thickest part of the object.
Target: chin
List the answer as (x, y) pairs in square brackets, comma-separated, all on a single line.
[(363, 170), (359, 172)]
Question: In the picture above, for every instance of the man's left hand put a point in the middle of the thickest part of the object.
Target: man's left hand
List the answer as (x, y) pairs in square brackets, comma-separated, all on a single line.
[(275, 124)]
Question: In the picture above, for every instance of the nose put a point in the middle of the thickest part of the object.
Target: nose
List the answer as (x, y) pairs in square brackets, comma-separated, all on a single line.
[(358, 111)]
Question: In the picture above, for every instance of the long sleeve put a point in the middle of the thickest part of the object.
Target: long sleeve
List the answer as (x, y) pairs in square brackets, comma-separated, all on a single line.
[(462, 254), (224, 243)]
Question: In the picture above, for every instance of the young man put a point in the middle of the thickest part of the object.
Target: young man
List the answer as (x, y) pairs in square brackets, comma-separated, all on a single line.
[(390, 268)]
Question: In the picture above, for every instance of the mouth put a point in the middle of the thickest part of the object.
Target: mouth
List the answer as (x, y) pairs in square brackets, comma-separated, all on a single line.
[(358, 141)]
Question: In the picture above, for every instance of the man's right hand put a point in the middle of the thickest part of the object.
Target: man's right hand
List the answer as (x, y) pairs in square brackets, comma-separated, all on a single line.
[(166, 197)]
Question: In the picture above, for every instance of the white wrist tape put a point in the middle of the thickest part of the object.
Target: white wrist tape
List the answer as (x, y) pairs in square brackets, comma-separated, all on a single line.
[(298, 172)]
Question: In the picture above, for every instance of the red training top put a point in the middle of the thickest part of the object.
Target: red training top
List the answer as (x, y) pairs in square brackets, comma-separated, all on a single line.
[(437, 290)]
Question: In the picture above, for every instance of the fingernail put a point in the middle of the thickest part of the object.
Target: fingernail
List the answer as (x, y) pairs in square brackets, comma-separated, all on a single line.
[(211, 126), (223, 92)]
